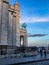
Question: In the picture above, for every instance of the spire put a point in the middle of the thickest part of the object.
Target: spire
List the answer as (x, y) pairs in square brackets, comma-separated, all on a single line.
[(16, 6)]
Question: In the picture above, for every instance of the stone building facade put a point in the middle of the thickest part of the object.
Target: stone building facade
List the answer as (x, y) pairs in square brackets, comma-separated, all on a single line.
[(10, 32)]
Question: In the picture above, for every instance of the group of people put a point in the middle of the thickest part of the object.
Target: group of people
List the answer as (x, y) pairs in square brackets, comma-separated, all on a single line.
[(42, 52)]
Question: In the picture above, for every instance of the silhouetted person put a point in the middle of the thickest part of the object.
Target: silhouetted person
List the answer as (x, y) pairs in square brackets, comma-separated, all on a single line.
[(44, 52), (41, 53)]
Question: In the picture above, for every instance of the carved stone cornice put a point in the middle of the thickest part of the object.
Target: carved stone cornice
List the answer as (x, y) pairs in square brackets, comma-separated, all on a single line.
[(5, 1), (14, 15), (10, 10)]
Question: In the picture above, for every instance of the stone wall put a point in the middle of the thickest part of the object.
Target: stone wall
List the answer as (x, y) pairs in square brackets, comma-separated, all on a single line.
[(12, 31), (4, 23)]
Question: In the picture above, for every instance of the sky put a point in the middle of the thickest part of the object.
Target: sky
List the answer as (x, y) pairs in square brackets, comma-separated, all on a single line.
[(35, 13)]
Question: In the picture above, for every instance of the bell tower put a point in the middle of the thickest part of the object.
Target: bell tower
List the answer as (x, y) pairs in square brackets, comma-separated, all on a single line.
[(17, 24)]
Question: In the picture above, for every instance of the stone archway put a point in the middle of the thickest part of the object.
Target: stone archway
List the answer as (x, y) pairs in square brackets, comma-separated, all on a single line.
[(21, 40), (23, 37)]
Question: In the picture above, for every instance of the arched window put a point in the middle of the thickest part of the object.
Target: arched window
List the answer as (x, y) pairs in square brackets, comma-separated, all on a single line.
[(21, 40)]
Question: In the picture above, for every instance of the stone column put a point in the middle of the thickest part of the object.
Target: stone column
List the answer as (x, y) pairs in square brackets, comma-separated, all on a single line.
[(5, 16), (10, 39), (10, 28), (0, 18), (14, 29), (17, 25)]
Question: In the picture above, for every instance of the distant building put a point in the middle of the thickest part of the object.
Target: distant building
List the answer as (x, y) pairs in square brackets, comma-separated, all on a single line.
[(10, 32)]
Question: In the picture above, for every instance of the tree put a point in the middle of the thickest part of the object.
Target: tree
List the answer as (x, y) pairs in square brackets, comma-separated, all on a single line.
[(24, 25)]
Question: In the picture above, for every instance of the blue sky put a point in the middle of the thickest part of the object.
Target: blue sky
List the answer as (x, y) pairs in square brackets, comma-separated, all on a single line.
[(35, 13)]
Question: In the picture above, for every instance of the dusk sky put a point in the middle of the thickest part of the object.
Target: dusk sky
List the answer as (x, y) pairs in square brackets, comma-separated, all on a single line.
[(35, 13)]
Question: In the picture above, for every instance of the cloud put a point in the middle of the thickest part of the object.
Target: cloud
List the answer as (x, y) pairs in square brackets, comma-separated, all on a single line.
[(34, 19), (37, 35)]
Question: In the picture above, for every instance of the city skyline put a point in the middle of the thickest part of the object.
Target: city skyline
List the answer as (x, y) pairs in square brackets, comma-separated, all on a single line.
[(35, 13)]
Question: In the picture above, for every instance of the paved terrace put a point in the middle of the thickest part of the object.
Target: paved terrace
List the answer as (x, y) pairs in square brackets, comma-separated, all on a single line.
[(21, 60)]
